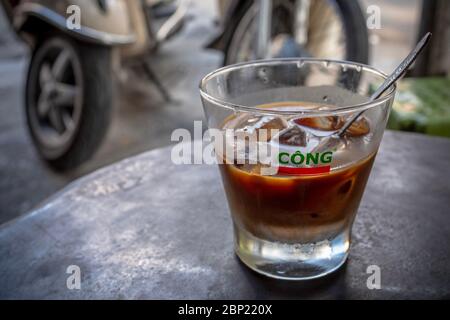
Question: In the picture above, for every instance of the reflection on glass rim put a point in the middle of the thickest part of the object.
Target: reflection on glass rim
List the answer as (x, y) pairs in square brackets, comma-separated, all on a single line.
[(311, 112)]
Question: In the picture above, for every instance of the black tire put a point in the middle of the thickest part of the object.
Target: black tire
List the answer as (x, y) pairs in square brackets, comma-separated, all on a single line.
[(355, 26), (96, 102), (352, 17)]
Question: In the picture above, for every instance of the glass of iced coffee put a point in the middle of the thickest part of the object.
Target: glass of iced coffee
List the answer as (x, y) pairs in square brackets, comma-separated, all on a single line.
[(293, 192)]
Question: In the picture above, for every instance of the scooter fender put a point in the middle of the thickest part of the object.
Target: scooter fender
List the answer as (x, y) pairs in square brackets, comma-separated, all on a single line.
[(227, 13), (105, 22)]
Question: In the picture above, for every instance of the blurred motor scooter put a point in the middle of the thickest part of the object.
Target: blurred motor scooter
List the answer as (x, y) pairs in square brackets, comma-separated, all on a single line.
[(75, 46)]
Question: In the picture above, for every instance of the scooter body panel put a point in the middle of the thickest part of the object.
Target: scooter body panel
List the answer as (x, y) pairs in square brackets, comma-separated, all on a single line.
[(102, 22)]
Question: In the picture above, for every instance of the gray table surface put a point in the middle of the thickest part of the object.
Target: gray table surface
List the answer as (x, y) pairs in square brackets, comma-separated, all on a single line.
[(146, 228)]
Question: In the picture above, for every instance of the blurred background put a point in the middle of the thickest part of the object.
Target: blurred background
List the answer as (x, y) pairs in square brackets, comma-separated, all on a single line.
[(137, 64)]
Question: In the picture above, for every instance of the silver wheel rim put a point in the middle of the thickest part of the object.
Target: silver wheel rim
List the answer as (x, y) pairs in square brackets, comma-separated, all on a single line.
[(56, 97)]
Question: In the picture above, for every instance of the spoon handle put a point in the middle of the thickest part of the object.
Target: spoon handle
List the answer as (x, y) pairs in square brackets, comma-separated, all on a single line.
[(391, 79)]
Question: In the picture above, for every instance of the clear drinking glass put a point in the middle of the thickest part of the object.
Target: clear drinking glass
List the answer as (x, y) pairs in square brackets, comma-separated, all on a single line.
[(295, 222)]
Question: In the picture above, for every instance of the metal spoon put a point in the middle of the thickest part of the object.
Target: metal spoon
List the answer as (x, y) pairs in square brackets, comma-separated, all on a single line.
[(334, 139)]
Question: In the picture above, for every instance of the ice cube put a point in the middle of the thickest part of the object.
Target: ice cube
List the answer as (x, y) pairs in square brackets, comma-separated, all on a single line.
[(240, 121), (271, 124), (328, 123), (245, 141), (294, 136), (330, 143), (359, 128), (333, 123)]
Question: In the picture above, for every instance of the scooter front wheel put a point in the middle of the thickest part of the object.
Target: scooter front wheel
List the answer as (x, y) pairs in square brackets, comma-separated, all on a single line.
[(335, 29), (68, 99)]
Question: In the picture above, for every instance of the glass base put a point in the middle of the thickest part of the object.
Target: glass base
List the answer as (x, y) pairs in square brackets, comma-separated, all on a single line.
[(291, 261)]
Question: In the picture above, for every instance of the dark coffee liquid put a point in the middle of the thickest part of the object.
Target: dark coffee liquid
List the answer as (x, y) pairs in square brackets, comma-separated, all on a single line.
[(295, 209)]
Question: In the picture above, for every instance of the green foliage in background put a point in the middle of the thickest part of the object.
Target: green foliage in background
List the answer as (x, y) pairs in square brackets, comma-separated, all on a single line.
[(422, 105)]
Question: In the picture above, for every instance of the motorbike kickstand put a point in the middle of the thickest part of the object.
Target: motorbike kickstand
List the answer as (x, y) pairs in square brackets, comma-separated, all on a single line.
[(154, 78)]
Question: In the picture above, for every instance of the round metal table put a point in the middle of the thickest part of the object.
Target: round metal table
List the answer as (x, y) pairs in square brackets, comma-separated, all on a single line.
[(146, 228)]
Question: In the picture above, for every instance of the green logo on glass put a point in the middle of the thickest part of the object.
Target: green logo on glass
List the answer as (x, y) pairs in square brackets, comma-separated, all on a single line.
[(299, 163), (297, 158)]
